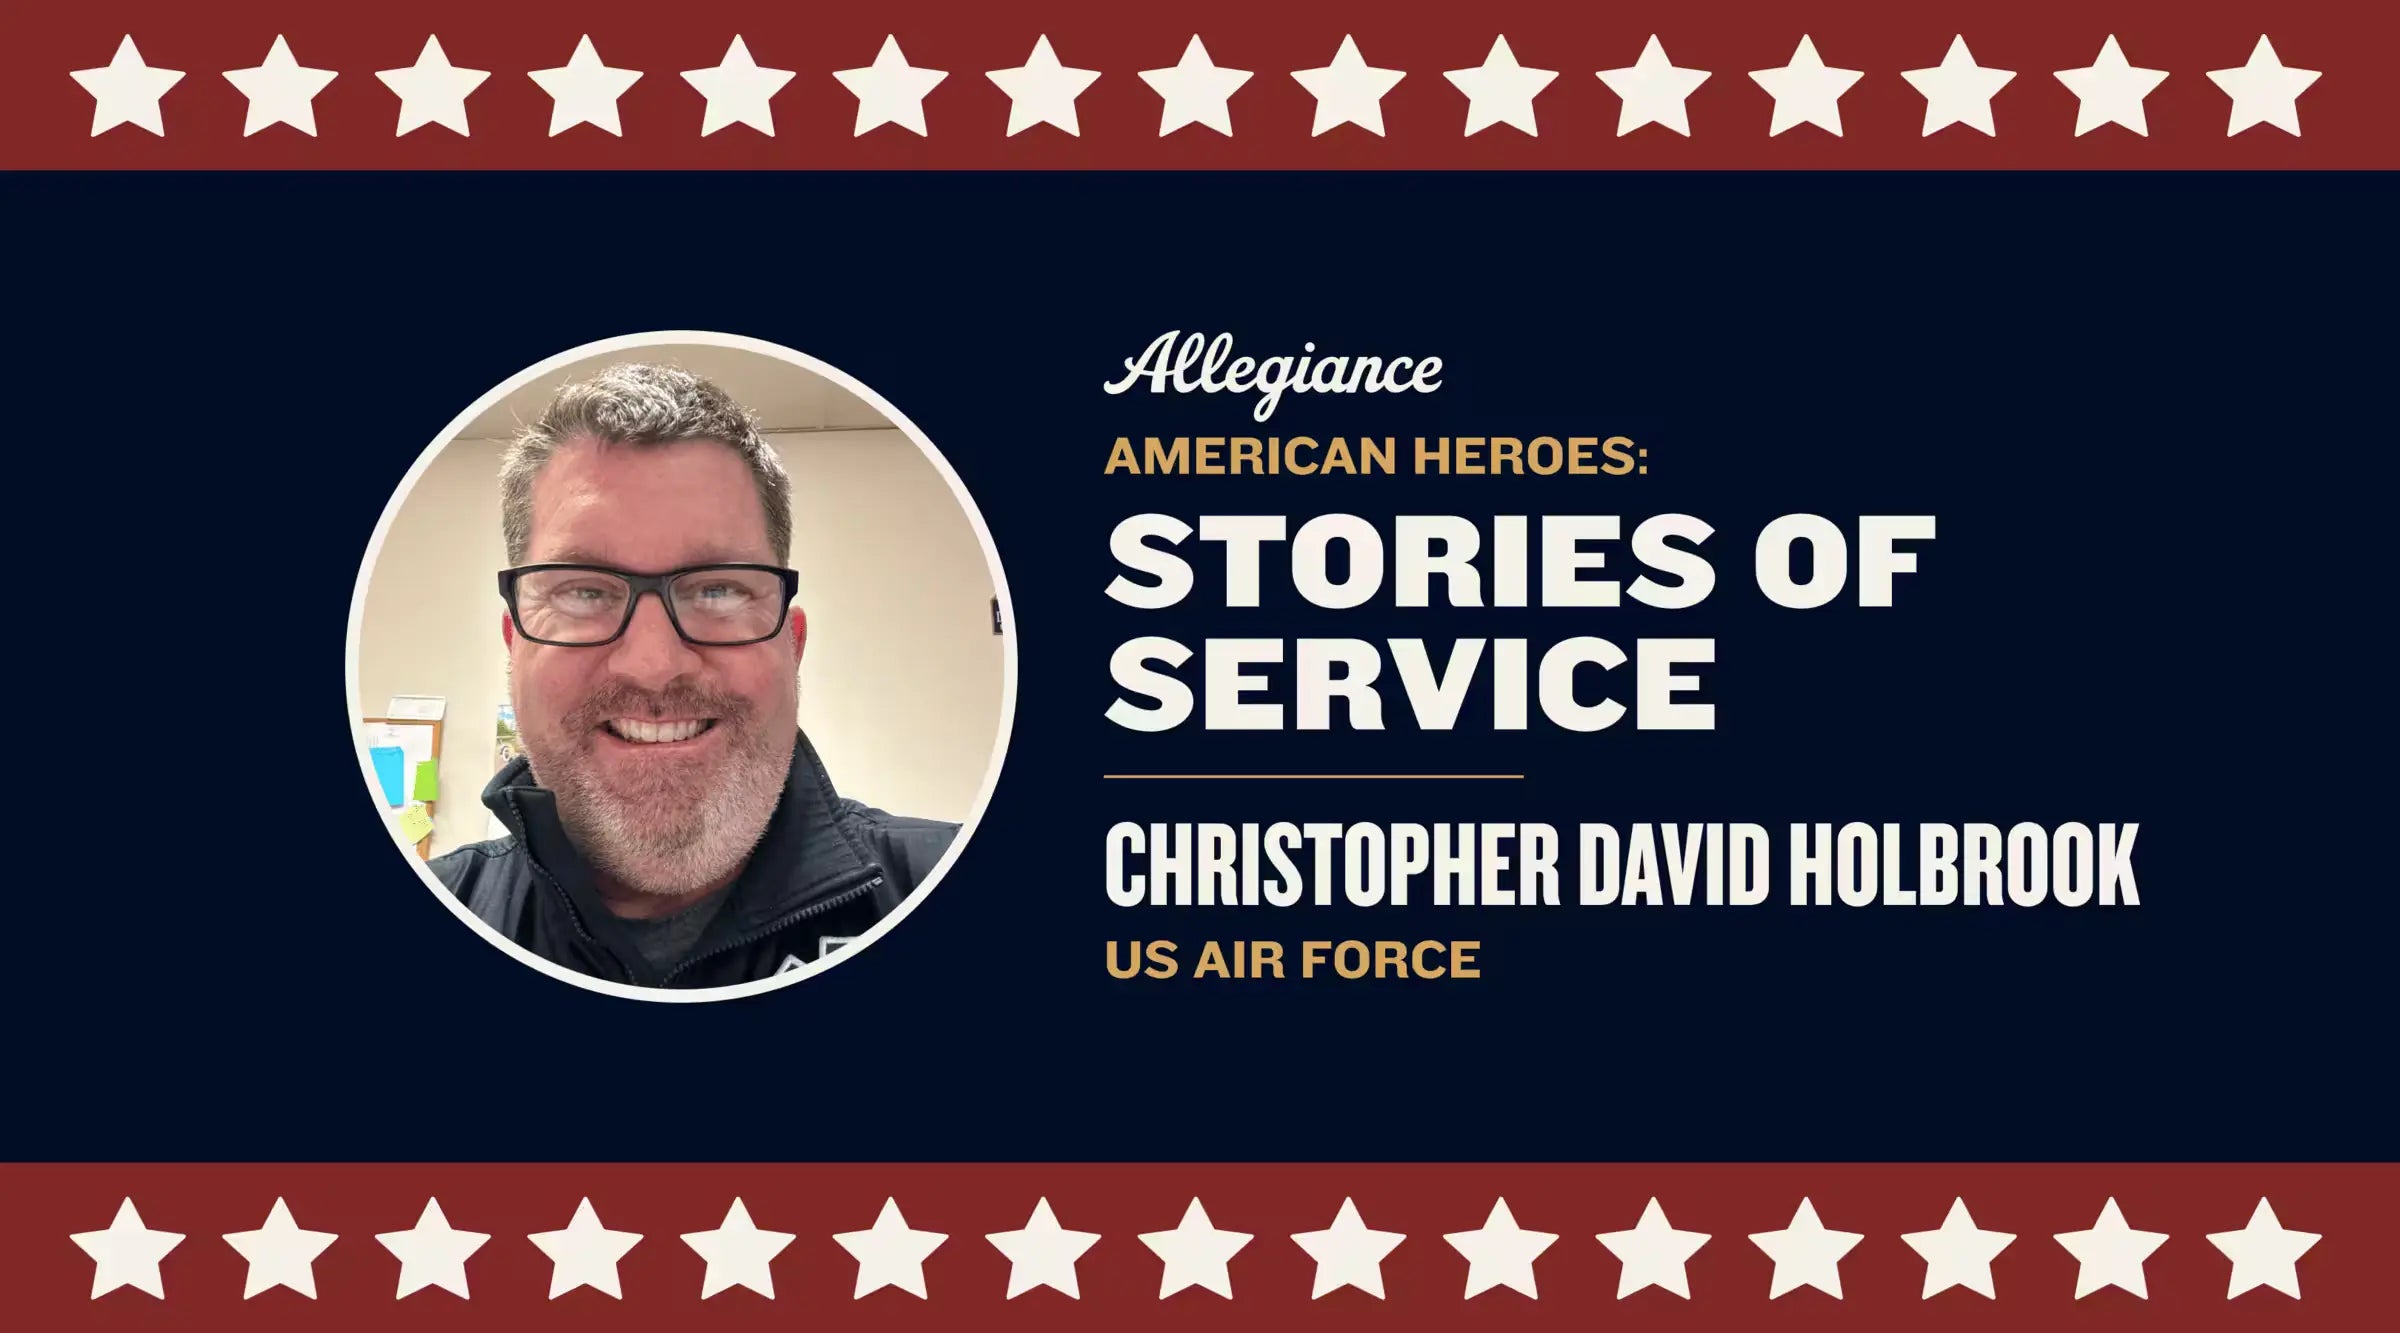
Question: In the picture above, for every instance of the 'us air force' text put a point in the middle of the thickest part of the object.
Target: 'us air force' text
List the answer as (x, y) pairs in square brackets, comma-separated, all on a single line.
[(1288, 864)]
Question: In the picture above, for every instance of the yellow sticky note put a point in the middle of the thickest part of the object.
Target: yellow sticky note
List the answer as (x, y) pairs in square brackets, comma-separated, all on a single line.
[(415, 823)]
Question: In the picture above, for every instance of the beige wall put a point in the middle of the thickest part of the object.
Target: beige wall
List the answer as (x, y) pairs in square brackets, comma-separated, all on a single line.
[(900, 690), (431, 624)]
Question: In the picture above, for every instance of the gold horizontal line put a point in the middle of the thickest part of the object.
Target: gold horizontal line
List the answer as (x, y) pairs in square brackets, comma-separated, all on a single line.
[(1317, 777)]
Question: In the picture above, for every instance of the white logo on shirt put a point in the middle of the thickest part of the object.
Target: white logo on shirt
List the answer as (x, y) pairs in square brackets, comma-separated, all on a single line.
[(826, 945)]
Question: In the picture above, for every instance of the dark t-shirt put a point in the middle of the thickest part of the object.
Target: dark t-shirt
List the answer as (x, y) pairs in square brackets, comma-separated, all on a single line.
[(664, 940)]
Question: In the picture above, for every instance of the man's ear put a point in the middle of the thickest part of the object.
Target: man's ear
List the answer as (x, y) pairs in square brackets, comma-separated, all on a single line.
[(799, 635), (508, 630)]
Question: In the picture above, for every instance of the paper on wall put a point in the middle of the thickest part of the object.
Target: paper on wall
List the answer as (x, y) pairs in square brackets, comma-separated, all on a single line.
[(415, 823), (387, 760)]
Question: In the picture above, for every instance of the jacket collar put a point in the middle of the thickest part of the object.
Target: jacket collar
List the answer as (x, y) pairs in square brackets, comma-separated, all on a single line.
[(806, 855)]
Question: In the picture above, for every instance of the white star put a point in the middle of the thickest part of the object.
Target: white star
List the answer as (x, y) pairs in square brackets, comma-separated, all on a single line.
[(433, 91), (1195, 1254), (584, 91), (1806, 1254), (890, 1254), (1349, 91), (432, 1253), (1959, 1254), (1806, 91), (281, 91), (2110, 1254), (1042, 90), (2265, 92), (1195, 89), (2263, 1253), (2109, 89), (891, 91), (280, 1254), (1500, 1253), (738, 90), (1652, 90), (1653, 1253), (1500, 91), (1348, 1253), (127, 1254), (125, 91), (1042, 1253), (585, 1254), (738, 1253), (1958, 91)]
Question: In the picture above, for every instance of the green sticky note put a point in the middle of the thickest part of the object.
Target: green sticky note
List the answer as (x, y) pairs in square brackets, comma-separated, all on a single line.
[(415, 823), (428, 785)]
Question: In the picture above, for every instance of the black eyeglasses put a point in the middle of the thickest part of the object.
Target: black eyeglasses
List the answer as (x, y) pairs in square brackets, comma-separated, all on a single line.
[(712, 606)]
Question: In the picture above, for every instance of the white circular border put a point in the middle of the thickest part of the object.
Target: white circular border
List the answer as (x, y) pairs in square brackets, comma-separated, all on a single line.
[(991, 556)]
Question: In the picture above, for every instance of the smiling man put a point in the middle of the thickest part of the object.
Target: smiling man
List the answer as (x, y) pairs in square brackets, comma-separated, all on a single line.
[(668, 823)]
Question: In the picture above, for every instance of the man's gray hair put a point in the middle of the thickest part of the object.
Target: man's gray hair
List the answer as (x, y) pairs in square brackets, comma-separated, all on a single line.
[(641, 404)]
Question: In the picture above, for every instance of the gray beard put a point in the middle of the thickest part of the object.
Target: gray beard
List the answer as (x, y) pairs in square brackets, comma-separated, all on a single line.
[(664, 839)]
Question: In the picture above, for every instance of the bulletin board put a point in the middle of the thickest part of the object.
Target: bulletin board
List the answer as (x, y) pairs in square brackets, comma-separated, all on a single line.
[(419, 741)]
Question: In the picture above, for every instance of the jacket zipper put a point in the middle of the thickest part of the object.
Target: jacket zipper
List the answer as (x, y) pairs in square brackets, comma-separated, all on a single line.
[(849, 895), (574, 918)]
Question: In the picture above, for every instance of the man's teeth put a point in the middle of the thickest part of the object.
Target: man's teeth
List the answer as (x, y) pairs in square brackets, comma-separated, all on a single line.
[(650, 733)]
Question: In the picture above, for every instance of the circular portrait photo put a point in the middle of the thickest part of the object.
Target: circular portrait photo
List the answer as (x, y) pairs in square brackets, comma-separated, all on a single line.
[(680, 666)]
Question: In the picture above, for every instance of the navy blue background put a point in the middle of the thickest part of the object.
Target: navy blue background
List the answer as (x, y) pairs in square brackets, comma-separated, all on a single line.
[(2145, 408)]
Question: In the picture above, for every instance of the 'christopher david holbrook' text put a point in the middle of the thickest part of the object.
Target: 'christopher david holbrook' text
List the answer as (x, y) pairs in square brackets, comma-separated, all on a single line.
[(1855, 864)]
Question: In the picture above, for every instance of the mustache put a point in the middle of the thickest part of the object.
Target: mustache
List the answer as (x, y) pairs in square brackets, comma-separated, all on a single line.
[(679, 699)]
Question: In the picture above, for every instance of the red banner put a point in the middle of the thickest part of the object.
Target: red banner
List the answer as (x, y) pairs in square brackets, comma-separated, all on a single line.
[(2190, 1248), (1510, 84)]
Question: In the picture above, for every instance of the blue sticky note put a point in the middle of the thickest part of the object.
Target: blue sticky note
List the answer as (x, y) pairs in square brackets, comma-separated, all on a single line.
[(389, 760)]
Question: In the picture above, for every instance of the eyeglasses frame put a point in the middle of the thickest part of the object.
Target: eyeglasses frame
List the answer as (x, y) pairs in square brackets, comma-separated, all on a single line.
[(649, 583)]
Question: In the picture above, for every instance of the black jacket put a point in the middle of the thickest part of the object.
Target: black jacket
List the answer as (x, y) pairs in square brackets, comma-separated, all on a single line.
[(827, 869)]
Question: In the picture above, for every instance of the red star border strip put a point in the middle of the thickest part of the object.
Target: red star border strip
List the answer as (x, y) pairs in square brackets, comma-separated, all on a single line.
[(1514, 84), (1062, 1246)]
